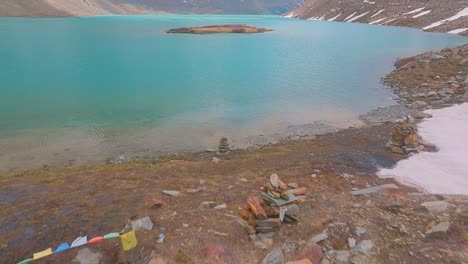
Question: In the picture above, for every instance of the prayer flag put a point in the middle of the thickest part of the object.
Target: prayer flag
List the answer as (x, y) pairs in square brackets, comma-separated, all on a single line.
[(129, 240), (111, 235), (26, 261), (62, 247), (42, 254), (95, 240), (79, 241)]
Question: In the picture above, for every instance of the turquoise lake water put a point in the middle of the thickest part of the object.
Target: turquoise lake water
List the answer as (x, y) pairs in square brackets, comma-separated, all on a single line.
[(81, 90)]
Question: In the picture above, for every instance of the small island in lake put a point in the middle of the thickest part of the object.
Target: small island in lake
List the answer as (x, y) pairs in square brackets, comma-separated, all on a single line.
[(237, 28)]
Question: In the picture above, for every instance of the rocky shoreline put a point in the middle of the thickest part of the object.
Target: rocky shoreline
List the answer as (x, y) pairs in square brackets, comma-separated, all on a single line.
[(346, 213)]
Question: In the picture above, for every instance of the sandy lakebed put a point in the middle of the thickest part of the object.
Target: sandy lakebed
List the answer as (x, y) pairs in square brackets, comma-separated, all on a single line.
[(45, 207)]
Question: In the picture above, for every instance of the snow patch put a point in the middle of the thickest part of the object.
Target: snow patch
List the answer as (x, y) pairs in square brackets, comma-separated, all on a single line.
[(462, 13), (445, 171), (357, 17), (350, 16), (377, 21), (334, 18), (414, 11), (458, 31), (369, 2), (422, 13), (376, 14), (386, 22)]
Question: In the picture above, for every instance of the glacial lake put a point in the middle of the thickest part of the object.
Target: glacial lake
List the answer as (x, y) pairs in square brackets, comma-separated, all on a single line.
[(81, 90)]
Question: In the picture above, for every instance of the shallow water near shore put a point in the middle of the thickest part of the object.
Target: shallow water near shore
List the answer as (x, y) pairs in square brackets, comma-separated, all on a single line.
[(81, 90)]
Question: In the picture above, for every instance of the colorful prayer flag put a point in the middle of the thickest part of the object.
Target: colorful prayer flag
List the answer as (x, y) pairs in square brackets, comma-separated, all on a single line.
[(95, 240), (26, 261), (42, 254), (79, 241), (62, 247), (111, 235), (129, 240)]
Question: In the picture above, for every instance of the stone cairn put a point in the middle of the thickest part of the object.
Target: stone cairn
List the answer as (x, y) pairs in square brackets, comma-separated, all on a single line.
[(404, 137), (279, 204), (223, 147)]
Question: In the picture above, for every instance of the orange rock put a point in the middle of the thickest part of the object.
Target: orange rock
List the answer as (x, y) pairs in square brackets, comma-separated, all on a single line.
[(244, 214), (282, 185), (302, 261), (411, 140), (301, 198), (272, 212), (298, 191), (257, 207)]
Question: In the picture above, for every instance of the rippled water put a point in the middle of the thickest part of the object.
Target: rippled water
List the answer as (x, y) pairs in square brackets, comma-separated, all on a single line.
[(81, 90)]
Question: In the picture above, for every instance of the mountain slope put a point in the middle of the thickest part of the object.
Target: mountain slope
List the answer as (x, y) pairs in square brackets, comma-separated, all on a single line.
[(430, 15), (28, 8), (59, 8)]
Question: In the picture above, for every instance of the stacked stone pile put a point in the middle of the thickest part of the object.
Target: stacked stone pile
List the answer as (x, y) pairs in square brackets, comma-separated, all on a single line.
[(279, 204), (223, 147), (404, 138)]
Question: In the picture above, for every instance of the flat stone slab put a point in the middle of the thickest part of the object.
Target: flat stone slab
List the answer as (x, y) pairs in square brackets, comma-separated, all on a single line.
[(436, 206), (375, 189), (439, 230), (171, 193), (318, 238)]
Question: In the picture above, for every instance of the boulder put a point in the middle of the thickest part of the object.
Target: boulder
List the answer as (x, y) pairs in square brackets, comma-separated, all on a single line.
[(364, 247), (439, 230), (463, 62), (375, 189), (274, 257), (312, 252), (437, 57), (419, 104), (318, 238), (403, 61), (436, 206)]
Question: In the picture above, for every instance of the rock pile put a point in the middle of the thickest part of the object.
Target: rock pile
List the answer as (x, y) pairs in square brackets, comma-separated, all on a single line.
[(431, 80), (279, 204), (223, 147), (404, 138)]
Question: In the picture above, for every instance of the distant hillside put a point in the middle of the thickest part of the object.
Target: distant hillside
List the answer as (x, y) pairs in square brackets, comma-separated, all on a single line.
[(60, 8), (431, 15)]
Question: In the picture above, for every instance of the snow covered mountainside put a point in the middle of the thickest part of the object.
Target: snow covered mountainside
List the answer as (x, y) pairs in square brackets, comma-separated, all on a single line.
[(430, 15)]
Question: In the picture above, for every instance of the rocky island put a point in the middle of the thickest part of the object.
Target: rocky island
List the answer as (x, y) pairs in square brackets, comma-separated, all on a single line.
[(237, 28)]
